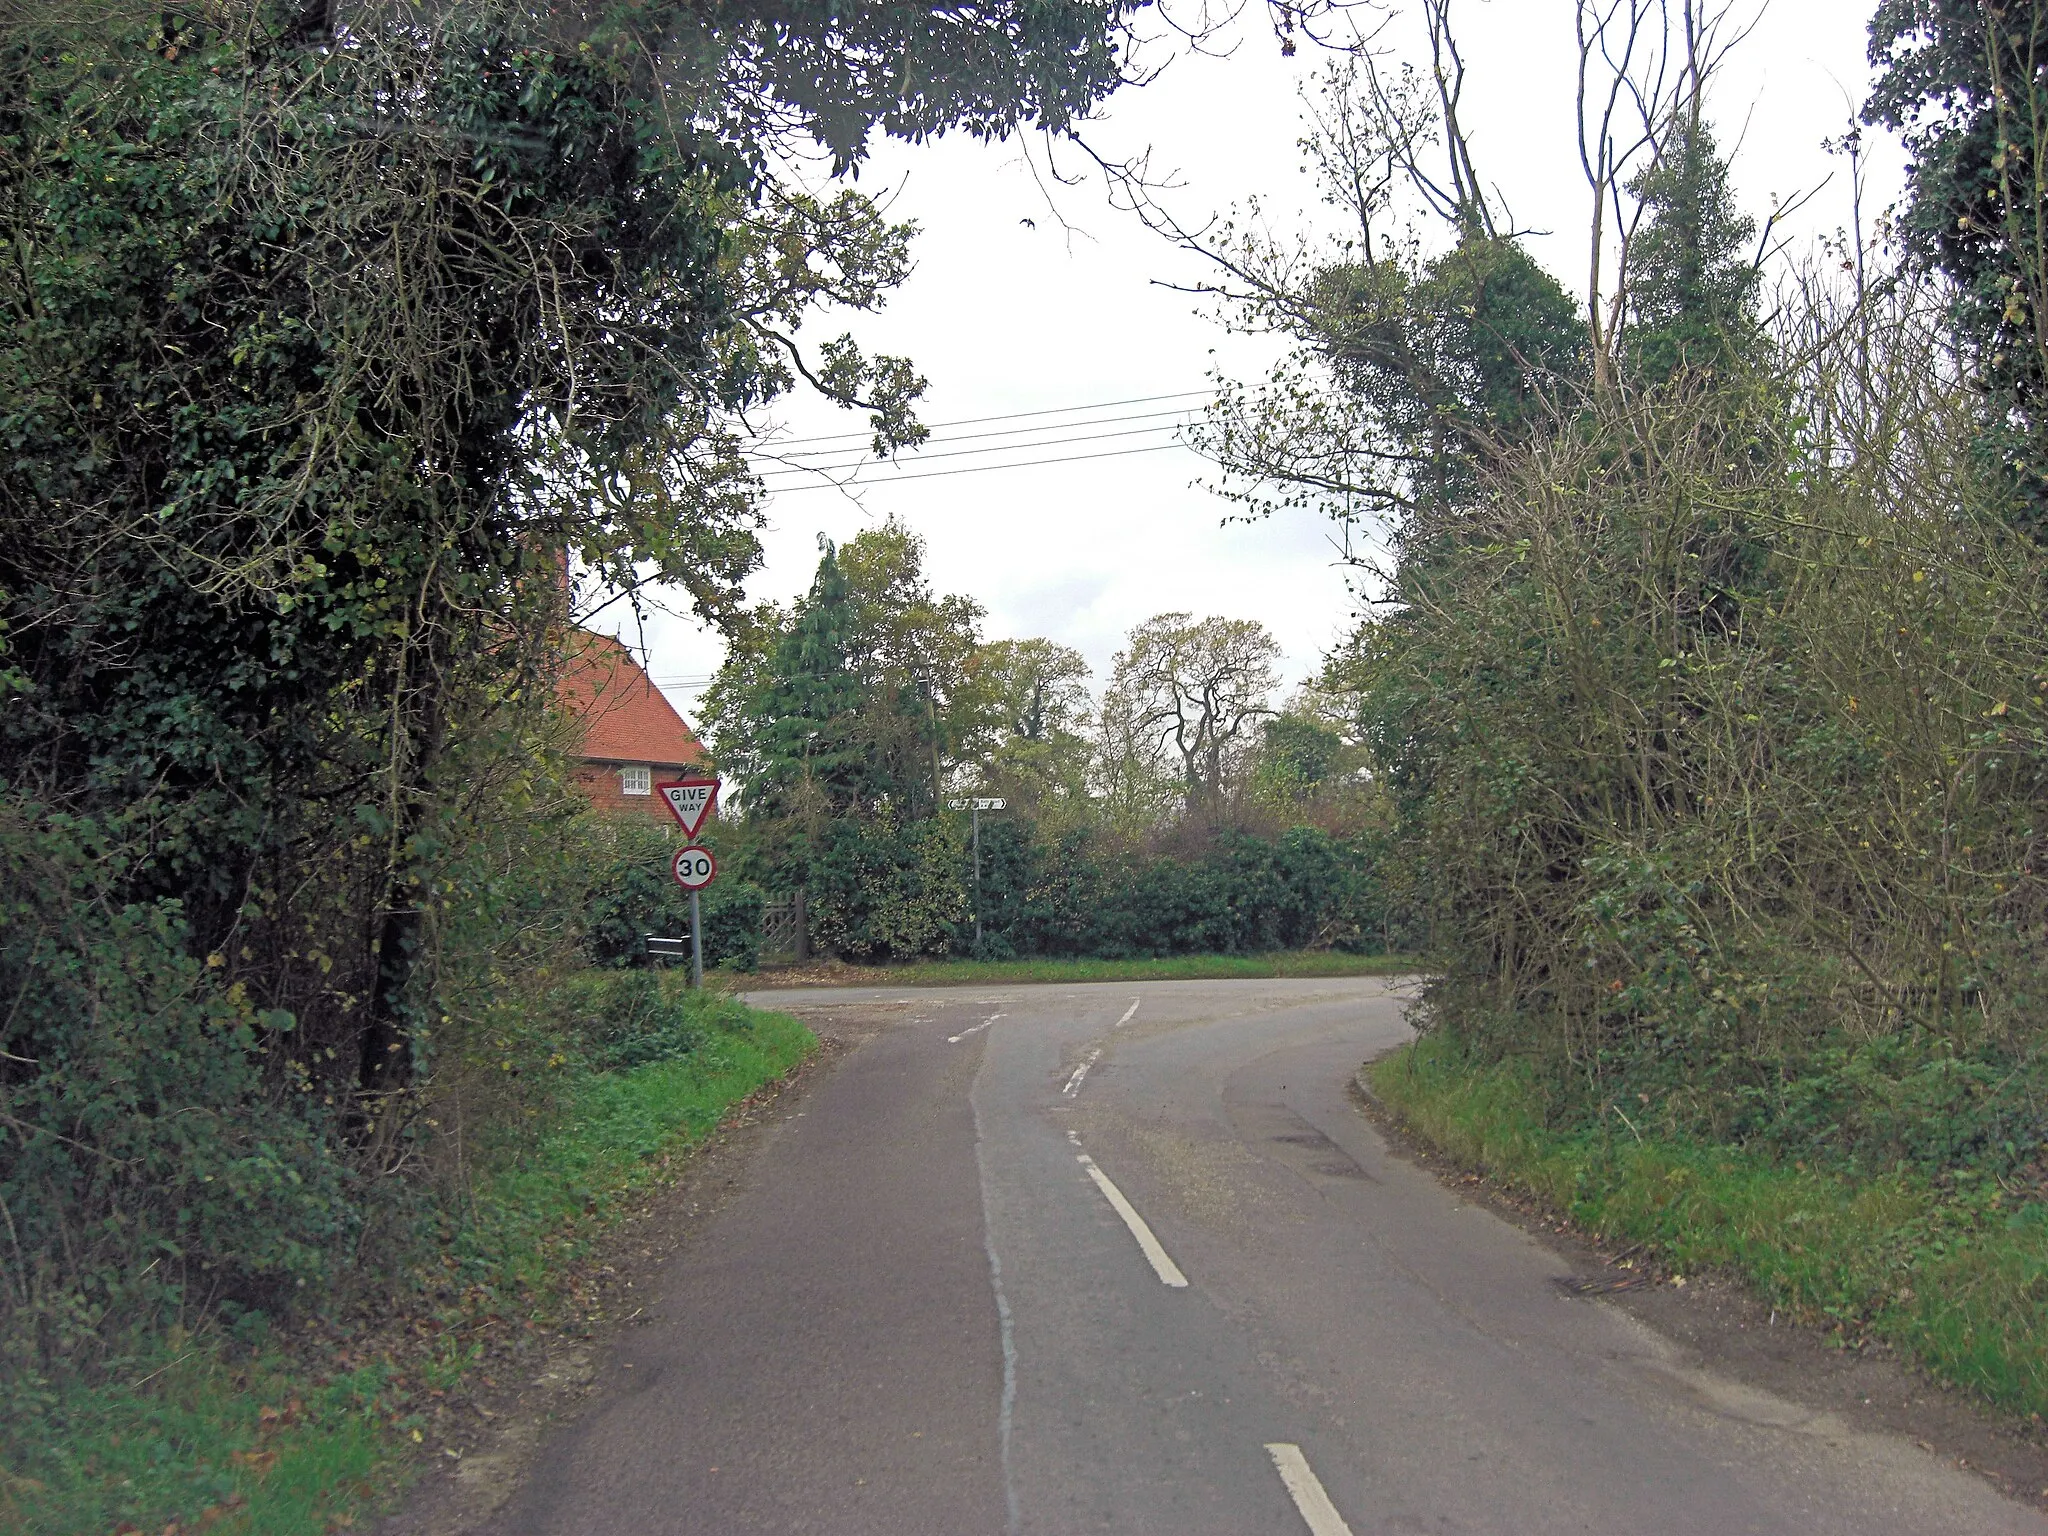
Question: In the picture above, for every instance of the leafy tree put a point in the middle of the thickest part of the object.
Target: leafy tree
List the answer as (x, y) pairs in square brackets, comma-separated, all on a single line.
[(1186, 695), (1035, 693), (1298, 752), (913, 650), (1961, 83), (848, 707), (1407, 375), (328, 333), (810, 743)]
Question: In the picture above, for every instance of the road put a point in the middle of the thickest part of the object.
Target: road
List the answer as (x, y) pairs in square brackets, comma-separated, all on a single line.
[(1129, 1259)]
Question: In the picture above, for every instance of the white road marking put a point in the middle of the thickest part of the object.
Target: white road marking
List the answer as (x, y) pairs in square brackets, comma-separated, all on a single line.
[(1317, 1512), (977, 1029), (1168, 1271), (1006, 1419), (1128, 1012), (1074, 1083)]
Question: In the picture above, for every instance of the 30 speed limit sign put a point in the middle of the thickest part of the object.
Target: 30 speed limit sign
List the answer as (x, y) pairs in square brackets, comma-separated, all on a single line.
[(695, 868)]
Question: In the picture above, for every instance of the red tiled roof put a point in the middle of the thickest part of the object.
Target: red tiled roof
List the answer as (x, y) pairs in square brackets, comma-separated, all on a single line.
[(625, 718)]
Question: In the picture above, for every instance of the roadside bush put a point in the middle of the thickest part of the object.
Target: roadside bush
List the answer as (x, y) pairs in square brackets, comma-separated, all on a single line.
[(887, 891), (1718, 730), (732, 925), (627, 1019), (1301, 890), (151, 1165), (634, 894)]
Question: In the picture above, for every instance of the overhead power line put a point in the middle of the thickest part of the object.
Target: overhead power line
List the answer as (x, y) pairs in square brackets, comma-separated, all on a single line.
[(969, 469), (959, 453), (1177, 412), (975, 421)]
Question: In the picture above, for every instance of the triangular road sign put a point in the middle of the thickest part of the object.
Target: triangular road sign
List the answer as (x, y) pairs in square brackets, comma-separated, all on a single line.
[(690, 801)]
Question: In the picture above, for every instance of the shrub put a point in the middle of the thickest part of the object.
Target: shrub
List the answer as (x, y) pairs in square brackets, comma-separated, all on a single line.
[(634, 895), (887, 890), (1718, 728), (151, 1162), (883, 890), (627, 1019)]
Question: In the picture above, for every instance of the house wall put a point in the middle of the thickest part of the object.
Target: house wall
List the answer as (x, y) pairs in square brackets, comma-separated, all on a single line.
[(600, 781)]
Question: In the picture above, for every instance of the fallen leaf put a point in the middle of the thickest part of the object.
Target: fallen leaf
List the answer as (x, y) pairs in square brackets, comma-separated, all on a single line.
[(258, 1462)]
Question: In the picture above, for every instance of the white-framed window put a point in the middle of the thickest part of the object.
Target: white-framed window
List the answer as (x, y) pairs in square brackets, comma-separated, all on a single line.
[(636, 779)]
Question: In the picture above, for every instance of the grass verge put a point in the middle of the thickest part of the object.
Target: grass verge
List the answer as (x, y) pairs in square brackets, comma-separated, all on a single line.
[(952, 973), (1956, 1278), (305, 1436)]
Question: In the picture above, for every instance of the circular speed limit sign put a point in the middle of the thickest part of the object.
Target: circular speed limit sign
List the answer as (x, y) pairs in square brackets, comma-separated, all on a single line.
[(695, 868)]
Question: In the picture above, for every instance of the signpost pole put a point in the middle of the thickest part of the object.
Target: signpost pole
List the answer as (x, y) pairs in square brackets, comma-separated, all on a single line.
[(696, 943), (692, 802), (976, 806)]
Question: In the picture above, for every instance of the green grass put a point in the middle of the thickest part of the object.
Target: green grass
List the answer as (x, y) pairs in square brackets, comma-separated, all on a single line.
[(193, 1443), (1956, 1278), (950, 973), (269, 1444)]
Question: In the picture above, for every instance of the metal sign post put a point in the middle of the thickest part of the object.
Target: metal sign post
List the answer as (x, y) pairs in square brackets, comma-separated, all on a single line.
[(695, 868), (977, 806), (696, 943), (693, 802)]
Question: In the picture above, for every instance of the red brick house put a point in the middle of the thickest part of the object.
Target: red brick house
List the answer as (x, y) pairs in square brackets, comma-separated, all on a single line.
[(632, 736)]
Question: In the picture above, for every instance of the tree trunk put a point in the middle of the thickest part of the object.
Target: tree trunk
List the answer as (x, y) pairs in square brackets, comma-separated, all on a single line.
[(385, 1060)]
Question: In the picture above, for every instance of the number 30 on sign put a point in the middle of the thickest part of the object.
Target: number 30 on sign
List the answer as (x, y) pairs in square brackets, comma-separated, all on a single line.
[(695, 868)]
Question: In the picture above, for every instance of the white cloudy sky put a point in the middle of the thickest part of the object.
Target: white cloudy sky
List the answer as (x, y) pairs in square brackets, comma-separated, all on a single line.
[(1005, 316)]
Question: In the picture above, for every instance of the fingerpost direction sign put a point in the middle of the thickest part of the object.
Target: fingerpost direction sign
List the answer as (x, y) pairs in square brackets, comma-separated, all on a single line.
[(694, 868), (691, 802)]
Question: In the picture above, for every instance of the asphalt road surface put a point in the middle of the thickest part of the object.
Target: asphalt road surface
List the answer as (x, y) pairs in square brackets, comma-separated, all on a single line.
[(1128, 1259)]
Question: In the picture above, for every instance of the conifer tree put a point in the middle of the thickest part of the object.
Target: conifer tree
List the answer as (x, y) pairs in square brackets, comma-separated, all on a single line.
[(810, 701)]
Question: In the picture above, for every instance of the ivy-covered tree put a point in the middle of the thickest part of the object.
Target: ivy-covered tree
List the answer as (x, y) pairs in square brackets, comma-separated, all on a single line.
[(1961, 82), (325, 331), (1691, 276), (1407, 374), (328, 328)]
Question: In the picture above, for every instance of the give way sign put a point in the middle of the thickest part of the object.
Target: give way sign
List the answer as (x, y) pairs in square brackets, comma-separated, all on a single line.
[(690, 801)]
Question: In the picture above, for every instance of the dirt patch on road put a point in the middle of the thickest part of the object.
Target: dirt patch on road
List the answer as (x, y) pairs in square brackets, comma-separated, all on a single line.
[(1723, 1329)]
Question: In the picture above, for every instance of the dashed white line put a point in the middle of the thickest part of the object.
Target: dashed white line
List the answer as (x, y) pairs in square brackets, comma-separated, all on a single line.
[(1168, 1271), (977, 1029), (1128, 1012), (1306, 1489), (1074, 1083)]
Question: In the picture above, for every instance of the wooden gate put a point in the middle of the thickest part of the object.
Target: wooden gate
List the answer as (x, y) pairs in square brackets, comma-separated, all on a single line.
[(785, 931)]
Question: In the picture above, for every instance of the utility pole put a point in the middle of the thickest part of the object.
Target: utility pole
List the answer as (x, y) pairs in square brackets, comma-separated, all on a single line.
[(976, 807)]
